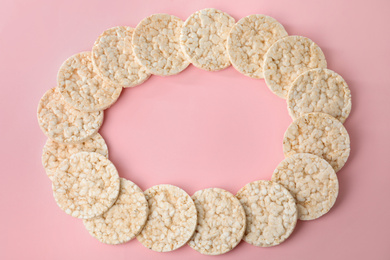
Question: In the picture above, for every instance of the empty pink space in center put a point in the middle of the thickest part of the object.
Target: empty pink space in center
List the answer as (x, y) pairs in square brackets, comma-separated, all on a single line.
[(193, 131)]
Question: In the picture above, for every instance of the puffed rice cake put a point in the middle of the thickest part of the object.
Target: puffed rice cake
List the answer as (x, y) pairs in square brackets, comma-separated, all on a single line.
[(249, 40), (63, 123), (156, 44), (271, 213), (319, 134), (86, 185), (82, 87), (54, 153), (287, 58), (124, 220), (171, 221), (311, 180), (221, 222), (114, 60), (203, 39), (319, 90)]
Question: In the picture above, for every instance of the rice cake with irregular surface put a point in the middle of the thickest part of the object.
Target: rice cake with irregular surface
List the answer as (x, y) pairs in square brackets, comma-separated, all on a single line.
[(271, 213), (203, 39), (54, 153), (63, 123), (287, 58), (124, 220), (249, 40), (319, 90), (311, 180), (114, 60), (82, 87), (221, 222), (171, 221), (86, 185), (319, 134), (156, 44)]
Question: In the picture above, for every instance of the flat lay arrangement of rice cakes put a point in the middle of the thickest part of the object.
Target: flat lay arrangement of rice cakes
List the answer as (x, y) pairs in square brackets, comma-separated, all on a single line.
[(303, 187)]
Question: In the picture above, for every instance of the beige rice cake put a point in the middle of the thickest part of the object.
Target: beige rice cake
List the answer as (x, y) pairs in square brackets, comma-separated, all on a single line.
[(203, 39), (86, 185), (64, 124), (287, 58), (171, 221), (311, 180), (319, 134), (221, 222), (271, 213), (319, 90), (156, 43), (114, 60), (249, 40), (54, 153), (124, 220), (82, 87)]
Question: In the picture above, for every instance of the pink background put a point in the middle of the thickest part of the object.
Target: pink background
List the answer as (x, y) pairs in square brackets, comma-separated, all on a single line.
[(195, 130)]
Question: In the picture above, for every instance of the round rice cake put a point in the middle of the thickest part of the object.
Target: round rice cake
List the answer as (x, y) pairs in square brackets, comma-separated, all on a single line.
[(287, 58), (249, 40), (311, 180), (124, 220), (156, 44), (271, 213), (63, 123), (82, 87), (319, 134), (319, 90), (114, 60), (171, 221), (203, 39), (54, 153), (86, 185), (221, 222)]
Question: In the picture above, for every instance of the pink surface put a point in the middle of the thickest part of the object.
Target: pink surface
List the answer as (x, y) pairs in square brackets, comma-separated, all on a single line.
[(195, 130)]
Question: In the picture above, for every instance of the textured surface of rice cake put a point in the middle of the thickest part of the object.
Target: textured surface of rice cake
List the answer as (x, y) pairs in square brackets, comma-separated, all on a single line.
[(287, 58), (171, 221), (249, 40), (86, 185), (54, 153), (271, 213), (82, 87), (311, 180), (124, 220), (319, 134), (114, 60), (221, 222), (319, 90), (156, 43), (64, 124), (203, 39)]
